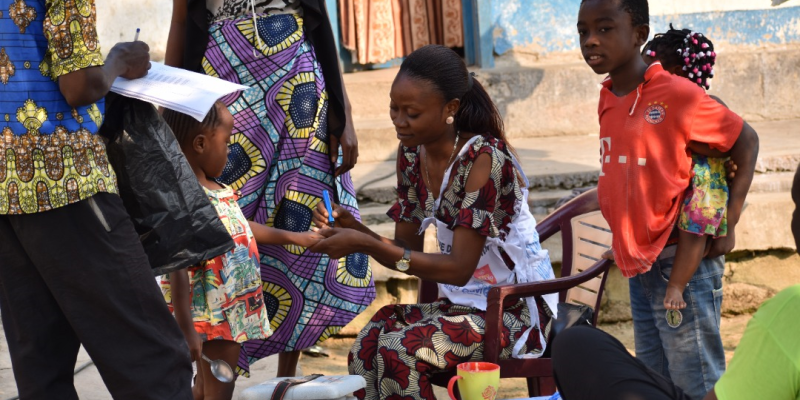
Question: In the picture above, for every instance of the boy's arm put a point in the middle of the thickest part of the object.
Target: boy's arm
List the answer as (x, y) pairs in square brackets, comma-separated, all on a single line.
[(182, 304), (744, 154)]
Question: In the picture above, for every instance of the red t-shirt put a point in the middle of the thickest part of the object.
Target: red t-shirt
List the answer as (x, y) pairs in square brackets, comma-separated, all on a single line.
[(646, 165)]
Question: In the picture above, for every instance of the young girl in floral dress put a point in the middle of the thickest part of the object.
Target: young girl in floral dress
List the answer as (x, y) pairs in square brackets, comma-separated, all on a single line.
[(219, 304)]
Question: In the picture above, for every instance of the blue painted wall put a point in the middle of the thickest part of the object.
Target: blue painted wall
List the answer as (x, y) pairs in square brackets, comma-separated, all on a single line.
[(543, 25), (546, 26)]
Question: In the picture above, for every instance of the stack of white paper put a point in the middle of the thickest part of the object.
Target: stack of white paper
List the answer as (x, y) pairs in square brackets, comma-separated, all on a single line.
[(177, 89)]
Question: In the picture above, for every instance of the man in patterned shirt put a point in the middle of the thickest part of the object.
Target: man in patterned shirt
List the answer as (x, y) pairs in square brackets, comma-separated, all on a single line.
[(73, 271)]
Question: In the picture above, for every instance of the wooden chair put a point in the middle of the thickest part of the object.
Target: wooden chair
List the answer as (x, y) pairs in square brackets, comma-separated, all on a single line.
[(585, 237)]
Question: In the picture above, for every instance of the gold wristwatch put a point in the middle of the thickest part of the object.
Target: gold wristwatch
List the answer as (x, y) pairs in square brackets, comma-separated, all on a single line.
[(404, 263)]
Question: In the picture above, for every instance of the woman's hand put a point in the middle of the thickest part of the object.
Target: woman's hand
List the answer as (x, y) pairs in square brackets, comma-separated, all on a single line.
[(349, 143), (339, 242), (342, 217)]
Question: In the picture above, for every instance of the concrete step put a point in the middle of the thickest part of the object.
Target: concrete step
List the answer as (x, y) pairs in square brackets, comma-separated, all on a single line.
[(564, 162), (764, 226)]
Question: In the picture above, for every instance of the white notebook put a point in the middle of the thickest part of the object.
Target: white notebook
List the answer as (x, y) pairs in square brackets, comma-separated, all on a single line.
[(177, 89)]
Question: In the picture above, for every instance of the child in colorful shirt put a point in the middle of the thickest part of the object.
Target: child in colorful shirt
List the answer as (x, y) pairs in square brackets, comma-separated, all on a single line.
[(648, 120), (219, 304), (703, 215)]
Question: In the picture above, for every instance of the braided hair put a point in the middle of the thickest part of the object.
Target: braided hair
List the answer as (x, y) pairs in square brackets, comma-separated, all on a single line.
[(186, 128), (692, 51)]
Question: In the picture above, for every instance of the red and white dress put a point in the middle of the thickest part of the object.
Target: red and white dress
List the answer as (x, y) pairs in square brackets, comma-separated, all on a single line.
[(403, 345)]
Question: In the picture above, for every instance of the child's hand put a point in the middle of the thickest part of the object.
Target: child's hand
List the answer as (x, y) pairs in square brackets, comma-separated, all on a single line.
[(307, 239), (608, 255), (195, 344), (342, 217), (730, 169), (673, 300)]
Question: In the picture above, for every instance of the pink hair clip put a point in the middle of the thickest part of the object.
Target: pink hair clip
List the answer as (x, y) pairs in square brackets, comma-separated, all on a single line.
[(699, 81), (686, 60)]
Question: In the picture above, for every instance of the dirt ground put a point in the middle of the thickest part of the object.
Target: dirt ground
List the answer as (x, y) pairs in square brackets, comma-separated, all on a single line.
[(337, 348)]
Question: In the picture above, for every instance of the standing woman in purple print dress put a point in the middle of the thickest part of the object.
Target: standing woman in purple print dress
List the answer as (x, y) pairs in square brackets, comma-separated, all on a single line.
[(288, 129)]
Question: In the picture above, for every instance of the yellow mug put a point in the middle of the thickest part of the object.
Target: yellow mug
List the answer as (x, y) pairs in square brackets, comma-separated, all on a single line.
[(476, 381)]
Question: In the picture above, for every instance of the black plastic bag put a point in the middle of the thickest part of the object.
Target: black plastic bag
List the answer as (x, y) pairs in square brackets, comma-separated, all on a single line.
[(176, 222), (569, 315)]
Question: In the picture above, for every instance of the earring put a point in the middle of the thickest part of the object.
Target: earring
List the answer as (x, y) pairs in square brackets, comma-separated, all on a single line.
[(449, 120)]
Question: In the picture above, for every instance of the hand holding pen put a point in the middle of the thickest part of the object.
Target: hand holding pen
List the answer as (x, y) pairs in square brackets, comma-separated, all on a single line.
[(328, 214)]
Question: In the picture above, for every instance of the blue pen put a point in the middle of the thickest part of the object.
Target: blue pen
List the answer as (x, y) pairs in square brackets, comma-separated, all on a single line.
[(136, 37), (327, 199)]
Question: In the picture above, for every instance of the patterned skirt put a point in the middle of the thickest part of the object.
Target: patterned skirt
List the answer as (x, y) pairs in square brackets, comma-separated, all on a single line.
[(279, 161), (705, 203), (404, 345)]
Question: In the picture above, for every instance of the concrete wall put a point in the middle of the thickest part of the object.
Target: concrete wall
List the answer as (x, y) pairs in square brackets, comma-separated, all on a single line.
[(547, 99), (117, 22), (536, 27), (548, 26)]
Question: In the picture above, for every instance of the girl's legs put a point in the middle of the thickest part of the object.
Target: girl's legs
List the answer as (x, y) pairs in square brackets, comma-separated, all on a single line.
[(691, 248), (227, 351), (287, 363)]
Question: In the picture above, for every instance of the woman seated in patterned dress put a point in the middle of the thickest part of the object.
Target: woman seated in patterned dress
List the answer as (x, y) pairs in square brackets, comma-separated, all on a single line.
[(454, 170)]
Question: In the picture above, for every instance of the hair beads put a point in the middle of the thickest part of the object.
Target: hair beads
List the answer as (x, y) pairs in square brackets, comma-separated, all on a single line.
[(691, 50)]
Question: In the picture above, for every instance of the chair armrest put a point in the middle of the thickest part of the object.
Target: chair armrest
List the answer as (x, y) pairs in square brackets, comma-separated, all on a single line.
[(499, 294), (520, 290)]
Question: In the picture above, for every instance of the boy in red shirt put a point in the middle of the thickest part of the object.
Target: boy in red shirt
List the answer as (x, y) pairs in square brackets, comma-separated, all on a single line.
[(648, 120)]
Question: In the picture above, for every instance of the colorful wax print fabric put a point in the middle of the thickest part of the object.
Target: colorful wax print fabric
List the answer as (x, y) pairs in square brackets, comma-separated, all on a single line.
[(280, 162), (50, 155), (705, 204)]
